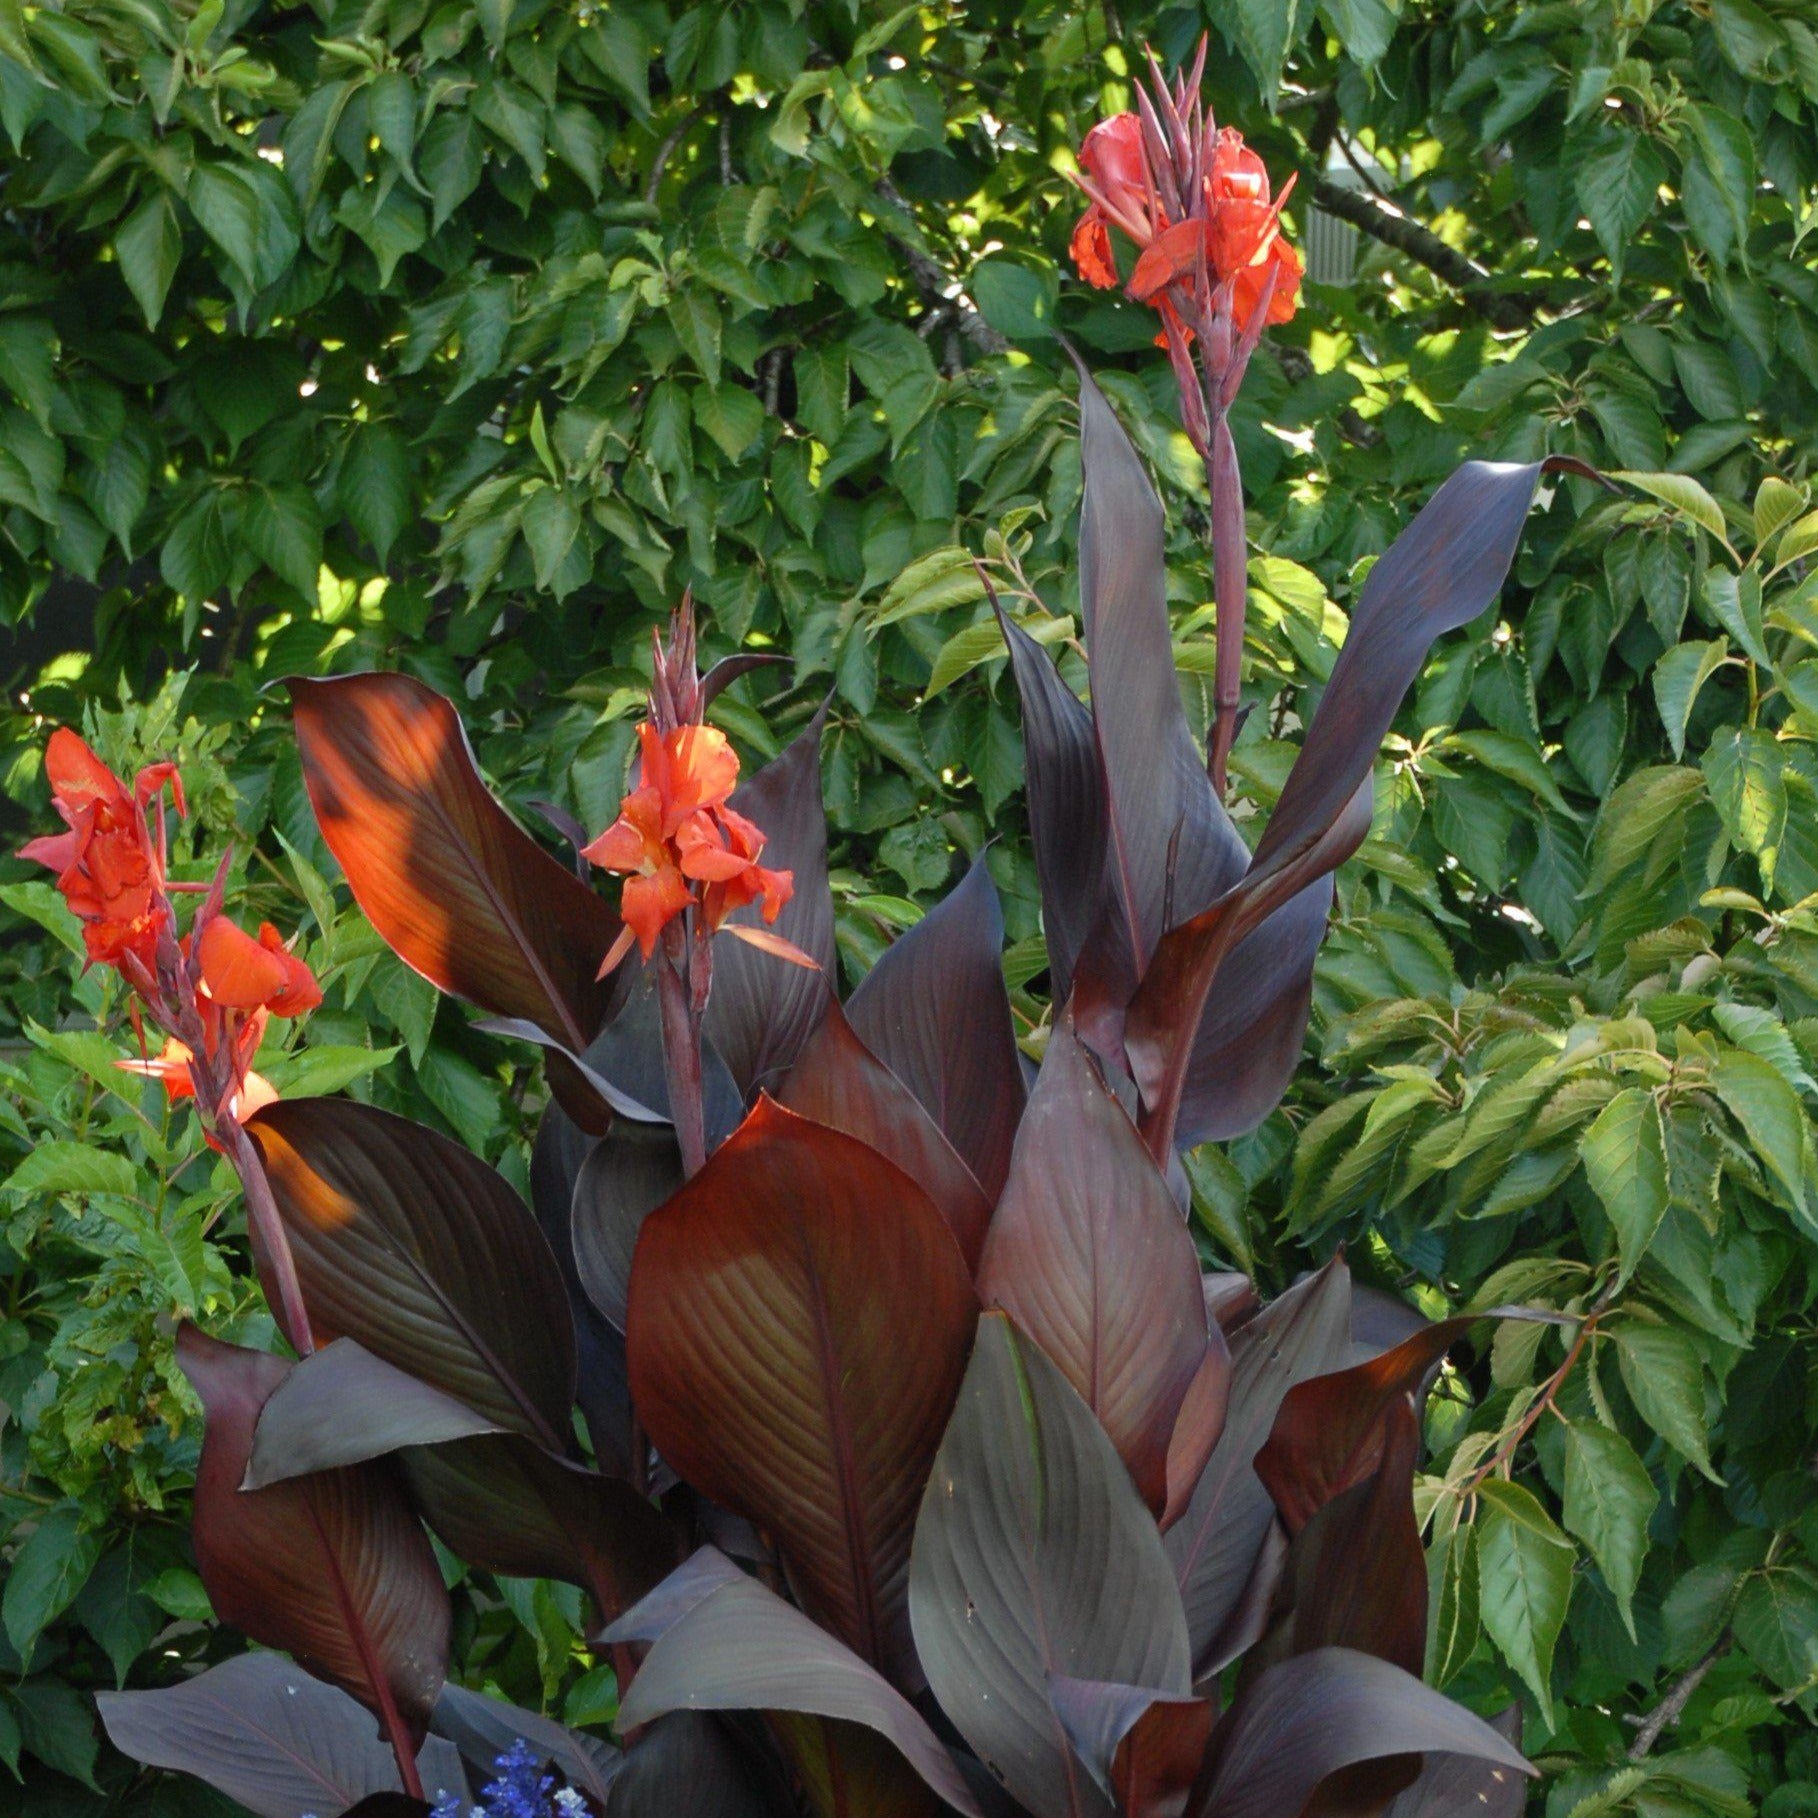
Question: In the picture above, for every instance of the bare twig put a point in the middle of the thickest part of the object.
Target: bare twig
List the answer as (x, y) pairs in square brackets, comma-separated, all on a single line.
[(667, 149), (937, 287), (1378, 219), (1672, 1707)]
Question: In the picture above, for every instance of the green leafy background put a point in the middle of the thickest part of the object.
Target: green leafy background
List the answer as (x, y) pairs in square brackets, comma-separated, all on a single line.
[(461, 337)]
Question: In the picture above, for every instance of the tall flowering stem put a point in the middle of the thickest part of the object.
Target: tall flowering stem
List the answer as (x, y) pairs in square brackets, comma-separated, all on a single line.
[(1195, 203), (210, 992)]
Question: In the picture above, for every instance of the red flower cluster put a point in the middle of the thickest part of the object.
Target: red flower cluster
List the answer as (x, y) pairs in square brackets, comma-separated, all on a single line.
[(109, 867), (679, 844), (214, 989), (1195, 200)]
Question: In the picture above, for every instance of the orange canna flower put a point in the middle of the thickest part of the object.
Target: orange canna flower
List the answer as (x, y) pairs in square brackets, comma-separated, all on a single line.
[(1226, 218), (240, 973), (678, 845), (108, 868), (170, 1067)]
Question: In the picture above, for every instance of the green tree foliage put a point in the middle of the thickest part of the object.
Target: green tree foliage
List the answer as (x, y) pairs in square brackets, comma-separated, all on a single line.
[(462, 337)]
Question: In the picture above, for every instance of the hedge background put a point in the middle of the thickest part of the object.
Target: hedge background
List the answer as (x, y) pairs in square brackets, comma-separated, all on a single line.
[(461, 337)]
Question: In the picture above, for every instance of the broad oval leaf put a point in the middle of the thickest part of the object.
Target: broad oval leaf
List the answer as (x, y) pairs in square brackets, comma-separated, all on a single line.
[(458, 890), (333, 1568), (839, 1082), (409, 1243), (1215, 1547), (798, 1327), (628, 1173), (1088, 1253), (1326, 1711), (763, 1009), (1143, 1750), (723, 1642), (1450, 1784), (1438, 575), (1174, 848), (270, 1737), (484, 1728), (692, 1762), (935, 1011), (1035, 1559)]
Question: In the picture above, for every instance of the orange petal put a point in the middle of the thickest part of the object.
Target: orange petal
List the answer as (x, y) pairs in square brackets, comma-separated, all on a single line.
[(1091, 249), (77, 775), (170, 1066), (1171, 255), (301, 993), (650, 904), (238, 972)]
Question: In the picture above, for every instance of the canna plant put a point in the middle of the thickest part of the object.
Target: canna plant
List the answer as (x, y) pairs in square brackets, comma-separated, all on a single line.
[(864, 1374)]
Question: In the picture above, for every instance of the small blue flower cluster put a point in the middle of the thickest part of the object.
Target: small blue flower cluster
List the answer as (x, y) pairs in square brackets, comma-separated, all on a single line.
[(520, 1791)]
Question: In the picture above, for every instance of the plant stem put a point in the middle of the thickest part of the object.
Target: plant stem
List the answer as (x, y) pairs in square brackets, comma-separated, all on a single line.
[(682, 1048), (268, 1228), (1672, 1707), (1230, 583)]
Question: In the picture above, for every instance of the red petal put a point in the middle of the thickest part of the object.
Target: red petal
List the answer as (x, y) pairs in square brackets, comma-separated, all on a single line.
[(239, 973), (1171, 255), (649, 904), (77, 775), (1092, 250)]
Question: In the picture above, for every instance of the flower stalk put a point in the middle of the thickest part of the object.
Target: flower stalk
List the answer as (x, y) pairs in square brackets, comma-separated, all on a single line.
[(1195, 202)]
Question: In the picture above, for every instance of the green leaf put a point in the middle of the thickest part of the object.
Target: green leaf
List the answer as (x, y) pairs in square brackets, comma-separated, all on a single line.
[(1524, 1582), (1644, 804), (1366, 28), (1617, 191), (46, 1574), (1609, 1501), (72, 1167), (227, 206), (941, 579), (1624, 1156), (1719, 181), (1767, 1107), (965, 650), (1664, 1376), (1735, 603), (1685, 496), (1776, 503), (1515, 758), (148, 247), (314, 1072), (1748, 789), (1776, 1621), (375, 485), (28, 363), (1678, 677), (283, 528), (1016, 301)]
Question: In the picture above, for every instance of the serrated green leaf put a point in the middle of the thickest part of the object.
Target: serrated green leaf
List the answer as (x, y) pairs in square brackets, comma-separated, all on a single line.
[(1609, 1501)]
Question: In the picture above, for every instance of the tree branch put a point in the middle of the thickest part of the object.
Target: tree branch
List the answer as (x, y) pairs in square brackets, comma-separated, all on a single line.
[(1503, 309), (1672, 1707), (935, 285)]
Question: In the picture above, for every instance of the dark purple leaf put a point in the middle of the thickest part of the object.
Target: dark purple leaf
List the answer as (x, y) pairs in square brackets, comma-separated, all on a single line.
[(799, 1319), (763, 1009), (839, 1082), (1174, 849), (632, 1169), (564, 825), (1328, 1434), (270, 1737), (846, 1768), (1255, 1023), (1142, 1750), (484, 1728), (1442, 572), (691, 1763), (935, 1011), (1215, 1546), (450, 881), (602, 1390), (411, 1244), (1035, 1559), (1319, 1713), (504, 1504), (1069, 812), (388, 1805), (332, 1568), (342, 1406), (1455, 1786), (723, 1642), (729, 668), (1356, 1575), (1088, 1253), (1198, 1426)]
